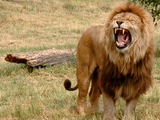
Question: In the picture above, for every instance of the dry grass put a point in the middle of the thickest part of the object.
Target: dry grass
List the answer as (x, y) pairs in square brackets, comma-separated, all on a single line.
[(30, 25)]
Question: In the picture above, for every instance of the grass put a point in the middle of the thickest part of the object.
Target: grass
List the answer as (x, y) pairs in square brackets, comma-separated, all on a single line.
[(31, 25)]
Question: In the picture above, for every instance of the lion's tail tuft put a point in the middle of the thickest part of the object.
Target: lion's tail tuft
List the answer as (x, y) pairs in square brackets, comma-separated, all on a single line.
[(67, 85)]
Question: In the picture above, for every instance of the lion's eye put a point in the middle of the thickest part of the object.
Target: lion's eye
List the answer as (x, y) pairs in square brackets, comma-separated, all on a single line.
[(115, 19), (131, 20)]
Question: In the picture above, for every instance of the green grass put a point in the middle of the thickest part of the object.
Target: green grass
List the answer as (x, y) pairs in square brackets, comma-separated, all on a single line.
[(33, 25), (158, 47)]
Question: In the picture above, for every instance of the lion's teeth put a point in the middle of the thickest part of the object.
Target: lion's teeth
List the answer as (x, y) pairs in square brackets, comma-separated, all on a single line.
[(123, 31), (117, 43), (115, 30), (120, 44)]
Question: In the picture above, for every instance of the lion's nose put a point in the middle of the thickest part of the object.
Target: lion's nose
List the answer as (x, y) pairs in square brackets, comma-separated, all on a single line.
[(119, 23)]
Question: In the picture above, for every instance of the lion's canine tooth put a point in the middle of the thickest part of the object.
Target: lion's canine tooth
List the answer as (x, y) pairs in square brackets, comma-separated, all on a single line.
[(117, 43), (115, 30), (123, 31)]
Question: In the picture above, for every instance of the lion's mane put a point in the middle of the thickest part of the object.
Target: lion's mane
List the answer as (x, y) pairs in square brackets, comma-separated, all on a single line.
[(133, 68)]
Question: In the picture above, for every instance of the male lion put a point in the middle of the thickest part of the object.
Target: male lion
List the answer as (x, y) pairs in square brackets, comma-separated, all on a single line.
[(117, 59)]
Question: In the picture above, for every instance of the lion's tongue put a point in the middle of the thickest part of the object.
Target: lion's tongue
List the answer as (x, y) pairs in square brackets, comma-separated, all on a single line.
[(122, 40)]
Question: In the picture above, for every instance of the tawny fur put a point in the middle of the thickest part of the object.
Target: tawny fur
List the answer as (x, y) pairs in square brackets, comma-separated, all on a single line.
[(112, 72)]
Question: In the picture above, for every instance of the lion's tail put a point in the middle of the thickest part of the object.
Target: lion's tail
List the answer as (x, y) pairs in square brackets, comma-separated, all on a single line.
[(67, 85)]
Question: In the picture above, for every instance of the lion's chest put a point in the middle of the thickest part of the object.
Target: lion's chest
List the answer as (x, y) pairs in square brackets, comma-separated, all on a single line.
[(117, 84), (128, 83), (120, 85)]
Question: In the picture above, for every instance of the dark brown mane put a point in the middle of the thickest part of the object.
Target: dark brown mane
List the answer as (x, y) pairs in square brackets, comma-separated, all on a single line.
[(136, 81)]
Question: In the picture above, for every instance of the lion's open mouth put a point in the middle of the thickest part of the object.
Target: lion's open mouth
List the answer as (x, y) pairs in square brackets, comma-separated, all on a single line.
[(122, 37)]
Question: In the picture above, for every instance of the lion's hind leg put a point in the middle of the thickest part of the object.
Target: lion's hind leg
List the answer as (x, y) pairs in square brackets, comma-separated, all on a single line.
[(95, 93), (83, 79)]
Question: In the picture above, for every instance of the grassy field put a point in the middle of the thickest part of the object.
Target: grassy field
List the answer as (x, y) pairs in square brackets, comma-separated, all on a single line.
[(31, 25)]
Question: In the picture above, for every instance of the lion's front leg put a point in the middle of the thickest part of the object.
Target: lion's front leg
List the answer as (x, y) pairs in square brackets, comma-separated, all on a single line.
[(109, 107), (130, 109)]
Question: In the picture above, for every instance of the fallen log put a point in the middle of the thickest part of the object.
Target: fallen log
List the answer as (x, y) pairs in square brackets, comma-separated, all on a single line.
[(41, 58)]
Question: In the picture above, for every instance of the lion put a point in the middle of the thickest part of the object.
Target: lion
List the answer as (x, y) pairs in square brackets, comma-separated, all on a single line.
[(117, 59)]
